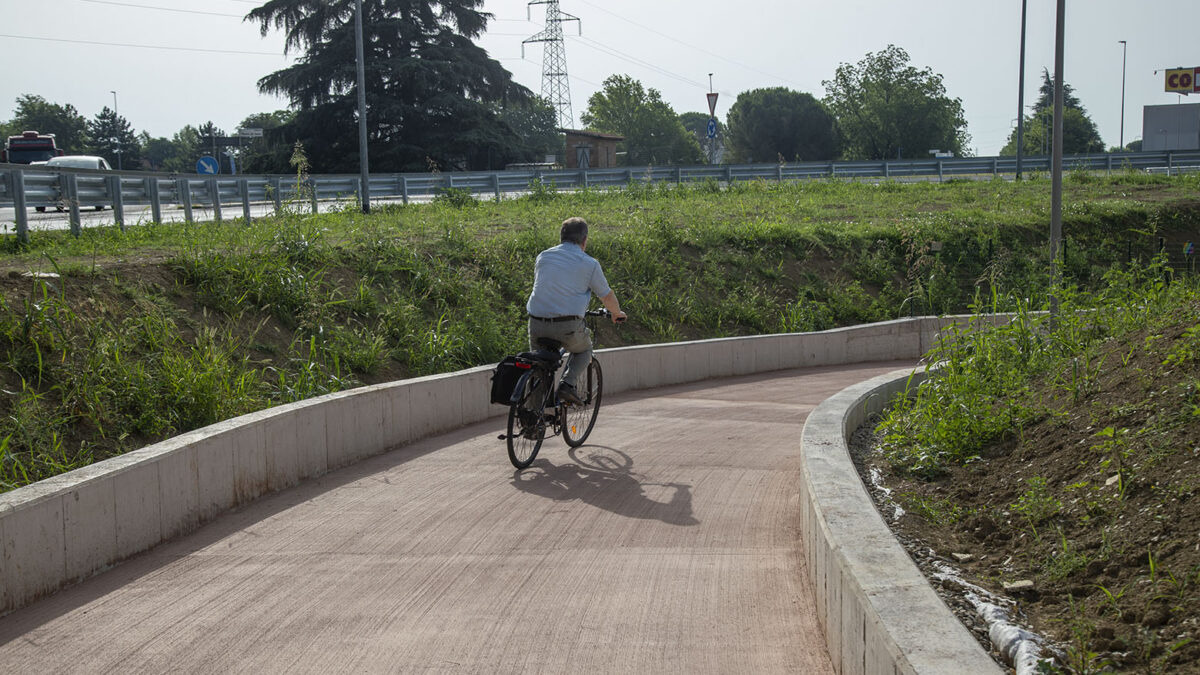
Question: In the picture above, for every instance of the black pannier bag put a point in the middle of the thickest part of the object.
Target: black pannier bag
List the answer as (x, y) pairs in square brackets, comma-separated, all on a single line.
[(505, 376)]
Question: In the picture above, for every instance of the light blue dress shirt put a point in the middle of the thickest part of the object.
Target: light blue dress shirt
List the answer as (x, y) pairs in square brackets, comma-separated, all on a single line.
[(564, 279)]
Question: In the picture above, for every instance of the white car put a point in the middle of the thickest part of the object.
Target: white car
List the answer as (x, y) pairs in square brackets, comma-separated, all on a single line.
[(79, 162), (75, 162)]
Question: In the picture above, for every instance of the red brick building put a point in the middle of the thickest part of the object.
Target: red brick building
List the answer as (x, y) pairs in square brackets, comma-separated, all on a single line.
[(591, 149)]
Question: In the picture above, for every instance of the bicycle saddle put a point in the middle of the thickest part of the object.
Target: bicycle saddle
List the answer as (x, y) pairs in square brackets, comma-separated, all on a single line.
[(550, 345)]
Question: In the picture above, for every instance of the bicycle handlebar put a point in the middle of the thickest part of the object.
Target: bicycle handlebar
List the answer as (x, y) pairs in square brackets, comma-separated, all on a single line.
[(601, 312)]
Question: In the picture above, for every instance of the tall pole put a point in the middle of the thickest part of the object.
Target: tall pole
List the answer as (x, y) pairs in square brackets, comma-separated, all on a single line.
[(712, 142), (116, 115), (1021, 95), (1056, 162), (364, 172), (1124, 49)]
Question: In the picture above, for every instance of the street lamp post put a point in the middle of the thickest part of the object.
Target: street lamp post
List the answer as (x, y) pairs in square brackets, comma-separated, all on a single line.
[(116, 115), (363, 166), (1021, 96), (1124, 49), (1056, 152)]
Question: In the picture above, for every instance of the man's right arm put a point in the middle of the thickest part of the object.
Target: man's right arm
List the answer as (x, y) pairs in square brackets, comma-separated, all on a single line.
[(610, 303)]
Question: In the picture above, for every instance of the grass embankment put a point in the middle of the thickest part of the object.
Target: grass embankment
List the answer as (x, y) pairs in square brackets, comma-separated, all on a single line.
[(1066, 453), (165, 328)]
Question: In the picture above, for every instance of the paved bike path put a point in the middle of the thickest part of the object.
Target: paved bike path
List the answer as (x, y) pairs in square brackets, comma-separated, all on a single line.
[(668, 543)]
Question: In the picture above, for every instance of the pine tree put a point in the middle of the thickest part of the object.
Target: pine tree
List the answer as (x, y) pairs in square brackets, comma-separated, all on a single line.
[(432, 93), (111, 137), (1080, 134)]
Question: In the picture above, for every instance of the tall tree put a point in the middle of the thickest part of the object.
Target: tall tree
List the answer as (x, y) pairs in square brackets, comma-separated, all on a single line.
[(431, 91), (535, 123), (653, 133), (34, 113), (696, 124), (767, 124), (886, 108), (111, 135), (1080, 134), (271, 152)]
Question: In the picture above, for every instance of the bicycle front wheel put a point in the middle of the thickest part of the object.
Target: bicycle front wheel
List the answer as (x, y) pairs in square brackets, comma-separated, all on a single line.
[(578, 420)]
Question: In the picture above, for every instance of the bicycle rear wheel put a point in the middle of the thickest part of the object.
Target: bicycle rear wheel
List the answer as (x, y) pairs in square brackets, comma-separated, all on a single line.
[(526, 430), (578, 420)]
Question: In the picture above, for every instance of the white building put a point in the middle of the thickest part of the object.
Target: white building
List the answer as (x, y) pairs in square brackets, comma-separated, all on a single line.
[(1171, 127)]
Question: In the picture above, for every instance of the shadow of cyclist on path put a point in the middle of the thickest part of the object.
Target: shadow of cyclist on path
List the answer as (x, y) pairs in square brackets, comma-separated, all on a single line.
[(603, 477)]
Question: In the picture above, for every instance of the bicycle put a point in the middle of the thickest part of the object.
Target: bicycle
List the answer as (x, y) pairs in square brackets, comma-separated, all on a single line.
[(535, 407)]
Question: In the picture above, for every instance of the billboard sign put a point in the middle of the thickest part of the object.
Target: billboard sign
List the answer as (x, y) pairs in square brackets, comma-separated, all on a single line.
[(1183, 81)]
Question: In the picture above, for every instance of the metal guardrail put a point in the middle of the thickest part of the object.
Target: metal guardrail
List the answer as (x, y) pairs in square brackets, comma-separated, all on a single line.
[(23, 186)]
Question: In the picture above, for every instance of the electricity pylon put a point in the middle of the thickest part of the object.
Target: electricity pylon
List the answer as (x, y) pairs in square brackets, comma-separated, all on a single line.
[(555, 88)]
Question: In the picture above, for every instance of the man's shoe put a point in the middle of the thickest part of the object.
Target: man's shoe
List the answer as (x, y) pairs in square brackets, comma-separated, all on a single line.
[(566, 394)]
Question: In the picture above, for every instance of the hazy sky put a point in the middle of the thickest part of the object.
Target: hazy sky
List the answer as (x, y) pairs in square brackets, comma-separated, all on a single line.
[(205, 60)]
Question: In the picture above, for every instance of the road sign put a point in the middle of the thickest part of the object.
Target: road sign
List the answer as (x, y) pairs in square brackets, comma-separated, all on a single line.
[(712, 104), (712, 128), (1183, 81), (250, 133), (208, 165)]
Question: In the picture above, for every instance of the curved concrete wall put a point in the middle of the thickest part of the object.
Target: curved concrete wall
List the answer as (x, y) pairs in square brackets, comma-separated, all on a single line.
[(64, 529), (878, 611)]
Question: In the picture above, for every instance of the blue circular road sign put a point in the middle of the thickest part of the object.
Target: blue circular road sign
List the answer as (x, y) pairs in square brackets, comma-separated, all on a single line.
[(208, 165), (712, 127)]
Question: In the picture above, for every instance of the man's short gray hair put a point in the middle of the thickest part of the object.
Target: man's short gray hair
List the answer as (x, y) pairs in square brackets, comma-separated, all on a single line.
[(574, 230)]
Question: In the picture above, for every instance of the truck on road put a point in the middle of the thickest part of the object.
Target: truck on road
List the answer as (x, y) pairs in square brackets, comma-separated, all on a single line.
[(29, 147)]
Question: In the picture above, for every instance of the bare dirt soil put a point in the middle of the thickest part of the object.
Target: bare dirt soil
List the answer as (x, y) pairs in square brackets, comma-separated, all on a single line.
[(1095, 503)]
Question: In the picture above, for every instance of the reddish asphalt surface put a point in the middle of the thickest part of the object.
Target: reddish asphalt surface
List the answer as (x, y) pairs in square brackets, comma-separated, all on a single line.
[(668, 543)]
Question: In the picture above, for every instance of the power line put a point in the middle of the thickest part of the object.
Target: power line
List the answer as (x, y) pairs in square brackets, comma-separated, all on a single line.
[(600, 47), (690, 46), (163, 9), (122, 44)]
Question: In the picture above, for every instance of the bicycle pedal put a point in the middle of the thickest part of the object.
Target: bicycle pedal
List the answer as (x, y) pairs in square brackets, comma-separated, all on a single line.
[(502, 437)]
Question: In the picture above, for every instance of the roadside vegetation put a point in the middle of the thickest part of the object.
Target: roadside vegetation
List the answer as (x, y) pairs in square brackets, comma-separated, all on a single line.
[(114, 340), (1065, 452)]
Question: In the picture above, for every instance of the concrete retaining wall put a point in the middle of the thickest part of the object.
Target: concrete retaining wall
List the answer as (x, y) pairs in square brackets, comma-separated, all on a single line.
[(64, 529), (878, 612)]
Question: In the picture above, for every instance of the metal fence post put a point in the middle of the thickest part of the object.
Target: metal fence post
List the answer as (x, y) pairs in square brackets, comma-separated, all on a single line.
[(312, 186), (155, 198), (995, 167), (583, 180), (215, 194), (277, 193), (832, 169), (184, 187), (118, 200), (496, 185), (678, 176), (404, 189), (728, 174), (73, 202), (16, 185), (939, 170), (1170, 162), (244, 188), (887, 169)]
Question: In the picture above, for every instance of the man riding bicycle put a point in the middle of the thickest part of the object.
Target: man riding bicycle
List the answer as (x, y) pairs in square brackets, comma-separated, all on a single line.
[(564, 280)]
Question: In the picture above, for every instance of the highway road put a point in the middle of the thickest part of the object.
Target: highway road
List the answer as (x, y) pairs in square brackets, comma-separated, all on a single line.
[(669, 543), (137, 214)]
